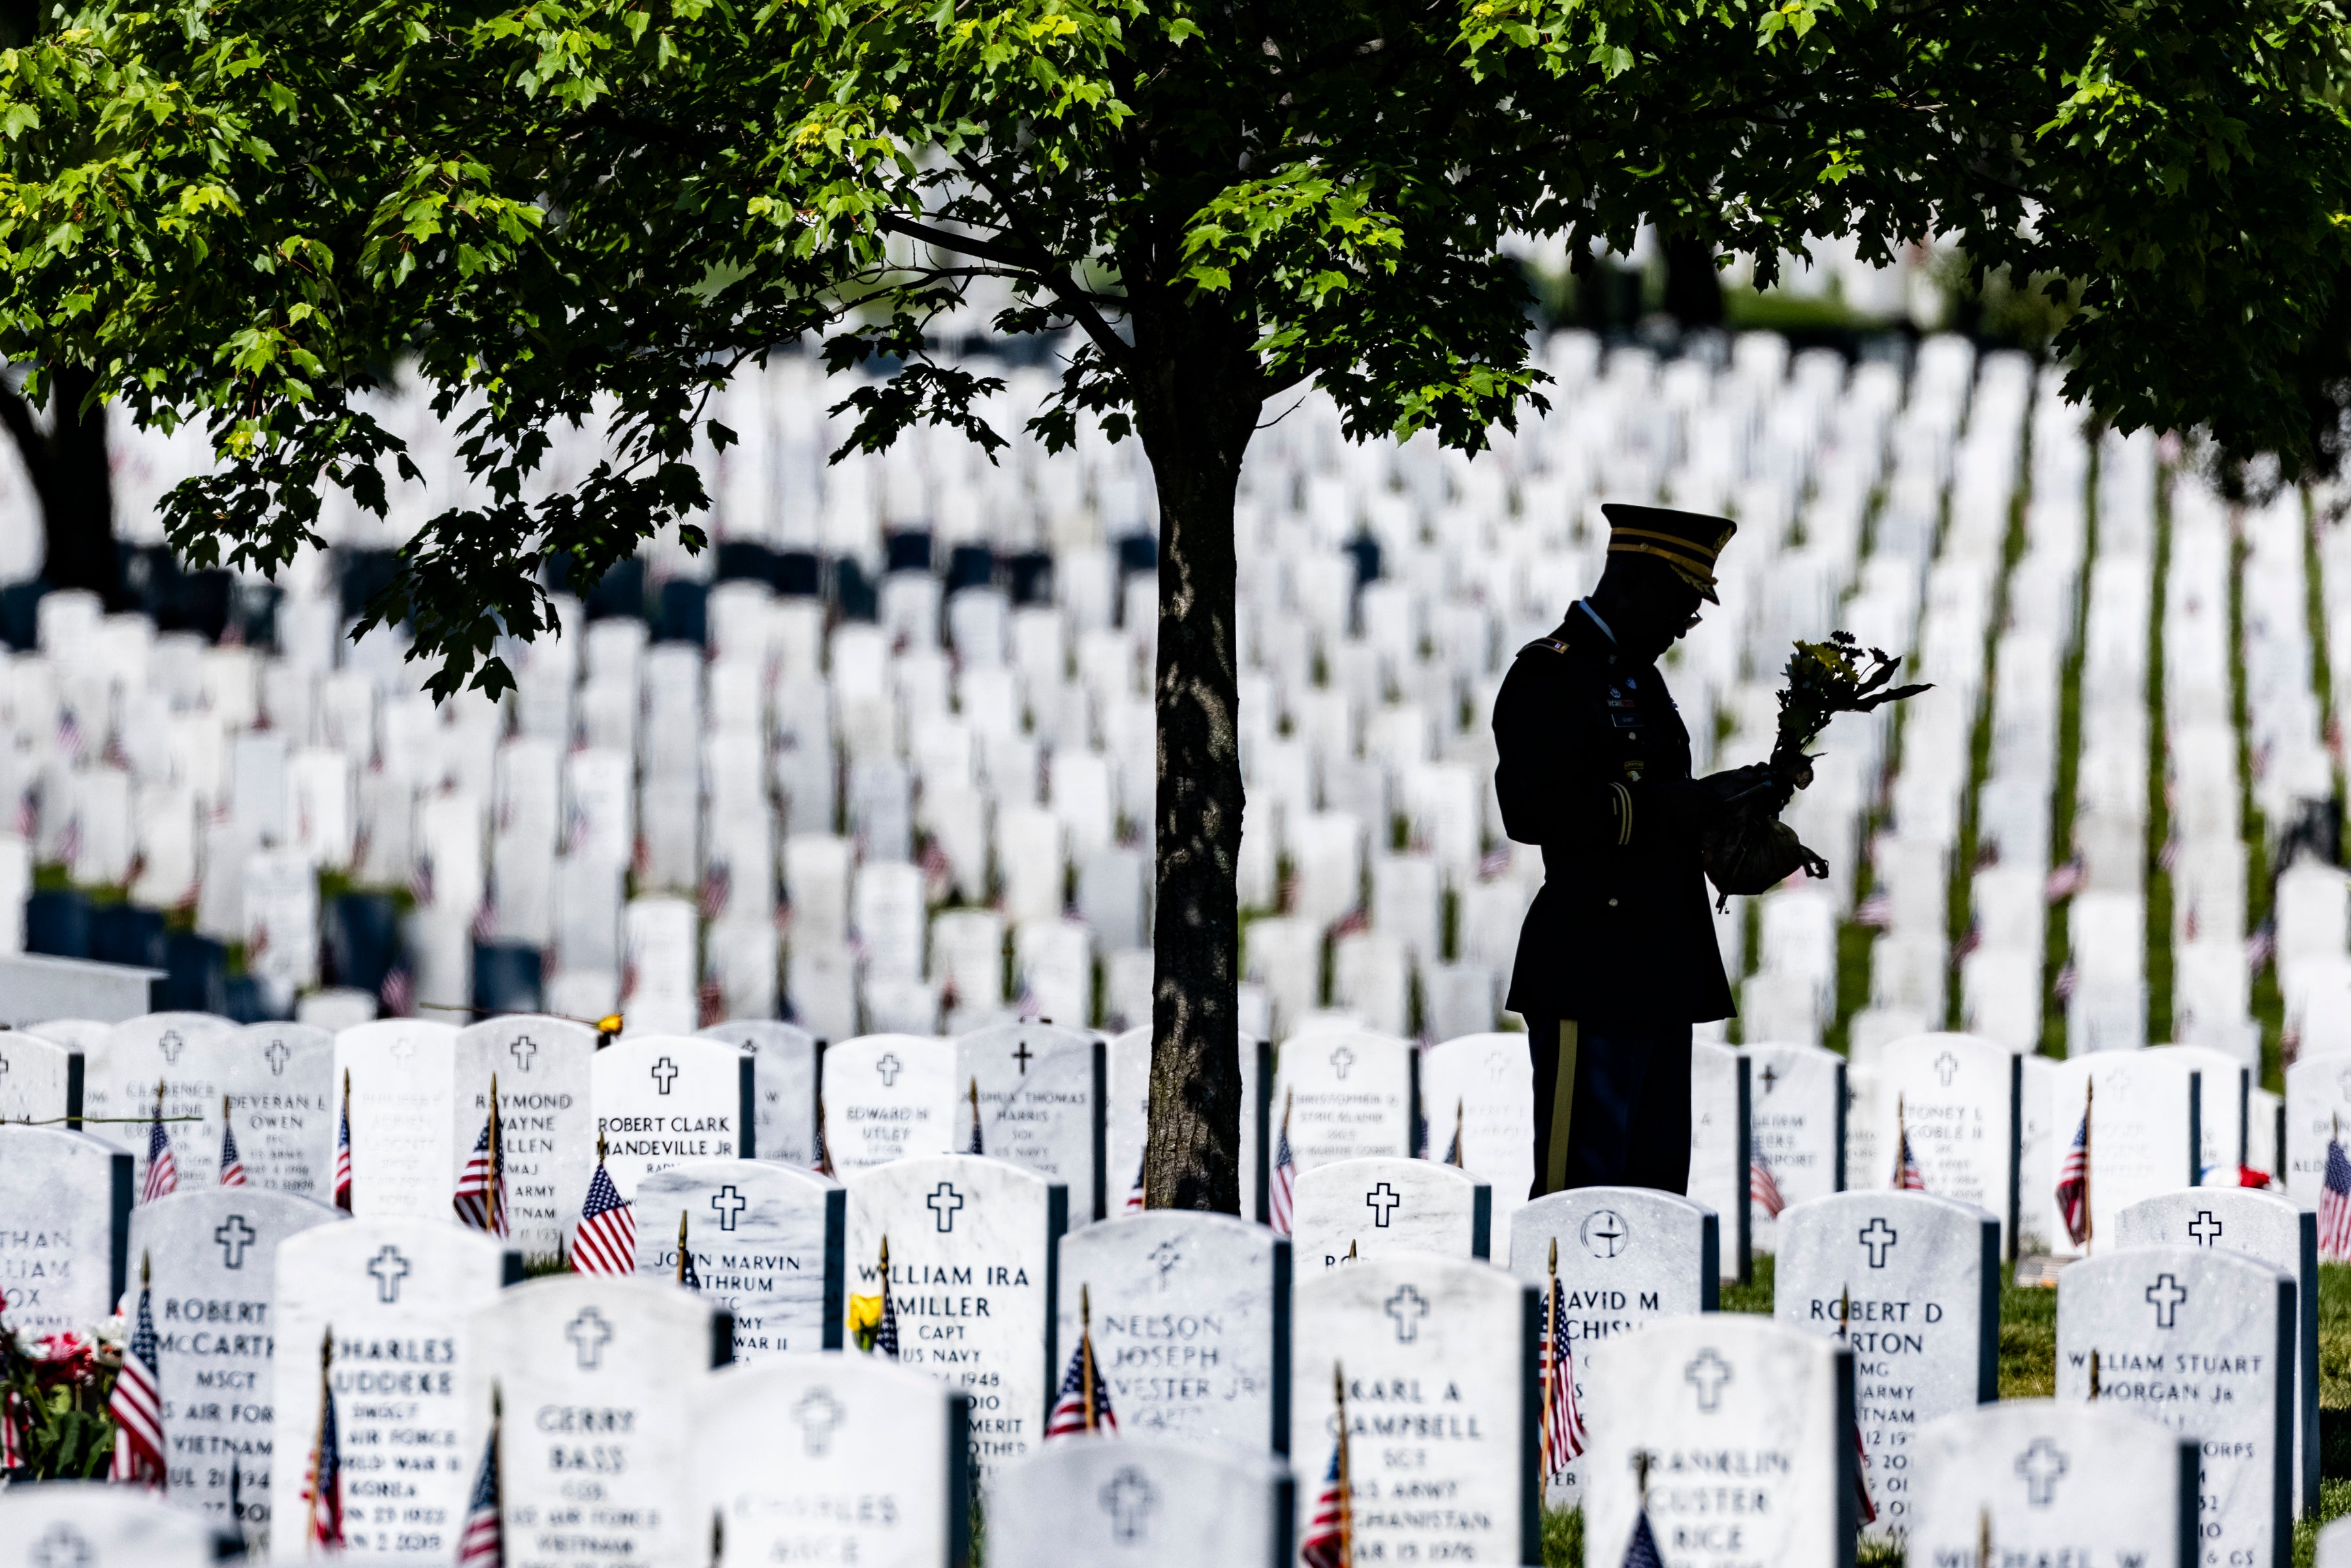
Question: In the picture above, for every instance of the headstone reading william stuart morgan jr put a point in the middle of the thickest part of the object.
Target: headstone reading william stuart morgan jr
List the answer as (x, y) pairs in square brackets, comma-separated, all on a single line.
[(662, 1099), (835, 1458), (93, 1524), (599, 1373), (972, 1248), (1627, 1257), (286, 1104), (1795, 1096), (398, 1295), (1385, 1204), (1957, 1098), (1041, 1092), (2280, 1233), (2201, 1340), (2086, 1485), (1437, 1354), (1348, 1094), (404, 1117), (118, 1080), (1137, 1502), (2143, 1134), (1128, 1123), (1721, 1093), (767, 1244), (546, 1123), (887, 1096), (1919, 1276), (1484, 1083), (214, 1254), (784, 1070), (1724, 1395), (1191, 1323), (64, 1249), (40, 1080)]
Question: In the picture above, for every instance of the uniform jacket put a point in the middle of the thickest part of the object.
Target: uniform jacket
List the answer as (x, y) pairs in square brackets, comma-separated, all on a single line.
[(1595, 768)]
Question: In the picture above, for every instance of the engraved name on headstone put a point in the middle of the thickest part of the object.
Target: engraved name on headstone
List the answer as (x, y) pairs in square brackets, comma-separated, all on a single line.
[(886, 1097), (1141, 1503), (402, 1075), (2081, 1484), (1795, 1129), (784, 1077), (1041, 1092), (65, 1251), (766, 1241), (1957, 1096), (1349, 1094), (1365, 1207), (547, 1123), (663, 1098)]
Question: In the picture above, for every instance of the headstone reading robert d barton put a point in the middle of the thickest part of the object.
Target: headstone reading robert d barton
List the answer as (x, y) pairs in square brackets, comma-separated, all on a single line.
[(766, 1243)]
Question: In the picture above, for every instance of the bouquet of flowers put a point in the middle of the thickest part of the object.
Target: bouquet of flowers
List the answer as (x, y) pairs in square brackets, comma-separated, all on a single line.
[(53, 1398), (1825, 679)]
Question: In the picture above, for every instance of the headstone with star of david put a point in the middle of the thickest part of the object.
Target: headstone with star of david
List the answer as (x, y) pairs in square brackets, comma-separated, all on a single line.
[(399, 1294), (1042, 1097), (767, 1242), (1957, 1097), (2201, 1340), (1191, 1323), (779, 1446), (1721, 1098), (1910, 1284), (282, 1099), (118, 1079), (598, 1374), (547, 1119), (214, 1250), (2060, 1481), (2281, 1233), (40, 1079), (2317, 1111), (1627, 1257), (888, 1097), (2223, 1099), (972, 1244), (64, 1249), (93, 1524), (1439, 1358), (2144, 1136), (1796, 1120), (663, 1098), (403, 1083), (1716, 1396), (1142, 1502), (1128, 1123), (784, 1074), (1483, 1085), (1348, 1094), (1384, 1204)]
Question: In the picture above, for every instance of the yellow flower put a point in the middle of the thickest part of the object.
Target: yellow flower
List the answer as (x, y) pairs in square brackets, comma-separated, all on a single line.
[(865, 1320)]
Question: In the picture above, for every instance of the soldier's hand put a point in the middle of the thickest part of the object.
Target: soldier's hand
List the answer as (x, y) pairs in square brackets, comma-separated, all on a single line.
[(1717, 794)]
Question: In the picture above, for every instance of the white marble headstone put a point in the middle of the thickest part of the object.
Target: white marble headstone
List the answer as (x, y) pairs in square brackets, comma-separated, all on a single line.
[(282, 1096), (767, 1240), (2062, 1482), (1042, 1103), (1138, 1502), (1721, 1092), (93, 1524), (660, 1099), (2143, 1134), (1957, 1096), (1484, 1083), (1372, 1206), (2317, 1103), (1795, 1128), (404, 1117), (888, 1096), (1347, 1094), (118, 1080), (64, 1252), (40, 1080), (546, 1123), (784, 1079), (2224, 1086)]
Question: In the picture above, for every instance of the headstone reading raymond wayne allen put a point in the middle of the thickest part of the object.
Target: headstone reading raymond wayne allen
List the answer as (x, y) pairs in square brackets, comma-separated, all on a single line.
[(2201, 1341), (767, 1244), (214, 1250), (546, 1126), (888, 1096), (594, 1370), (2061, 1483), (65, 1251), (1145, 1504), (94, 1524), (1348, 1094), (1910, 1284), (404, 1155), (1628, 1256), (1191, 1323), (1957, 1098), (663, 1099), (1368, 1207), (1795, 1129), (1041, 1091), (784, 1076)]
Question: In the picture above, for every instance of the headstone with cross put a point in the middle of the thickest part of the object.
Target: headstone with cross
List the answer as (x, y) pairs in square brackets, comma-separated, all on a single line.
[(2145, 1135), (64, 1255), (784, 1074), (767, 1240), (775, 1445), (1910, 1284), (888, 1096), (1191, 1316), (2203, 1341), (120, 1075), (1348, 1094), (399, 1294), (1142, 1502), (405, 1153), (1718, 1394), (661, 936), (659, 1099), (1483, 1084), (972, 1242), (40, 1080), (1720, 1173), (2223, 1097), (547, 1123), (2317, 1102), (2054, 1477), (1127, 1124), (602, 1367), (214, 1255), (1383, 1204), (279, 1082), (1795, 1129), (1441, 1348), (1957, 1097), (2281, 1233), (1043, 1090), (89, 1525), (1627, 1257)]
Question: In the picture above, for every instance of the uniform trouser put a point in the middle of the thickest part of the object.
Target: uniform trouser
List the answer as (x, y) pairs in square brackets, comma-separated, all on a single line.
[(1611, 1103)]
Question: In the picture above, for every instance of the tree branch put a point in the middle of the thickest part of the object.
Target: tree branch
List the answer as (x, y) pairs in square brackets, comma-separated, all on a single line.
[(1114, 347)]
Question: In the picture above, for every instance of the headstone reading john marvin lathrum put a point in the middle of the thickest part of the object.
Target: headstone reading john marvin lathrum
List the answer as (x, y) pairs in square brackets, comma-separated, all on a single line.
[(1366, 1207), (1141, 1502), (785, 1072), (1795, 1146), (886, 1097), (65, 1251), (1721, 1174), (547, 1124), (404, 1087), (2056, 1482), (1041, 1091), (766, 1241), (1483, 1085), (663, 1098), (93, 1524), (1958, 1097), (40, 1080), (1349, 1094)]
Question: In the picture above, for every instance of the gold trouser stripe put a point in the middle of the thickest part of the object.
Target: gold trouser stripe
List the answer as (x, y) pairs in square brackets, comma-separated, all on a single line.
[(1562, 1109), (1623, 814)]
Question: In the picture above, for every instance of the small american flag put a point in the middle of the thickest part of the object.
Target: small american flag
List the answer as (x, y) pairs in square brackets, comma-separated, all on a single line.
[(2064, 880), (484, 1542), (14, 1431), (1861, 1479), (322, 1485), (1562, 1419), (163, 1167), (1134, 1197), (137, 1402), (398, 992), (1282, 1191), (874, 1319), (687, 1274), (717, 891), (232, 1169), (1970, 940), (2334, 1204), (1493, 863), (2260, 947), (480, 1200), (1762, 1188), (343, 1150), (1083, 1404), (974, 1147), (1453, 1150), (2068, 982), (2073, 1183), (1641, 1552), (822, 1163), (1876, 911), (1325, 1545), (606, 1242), (2168, 856)]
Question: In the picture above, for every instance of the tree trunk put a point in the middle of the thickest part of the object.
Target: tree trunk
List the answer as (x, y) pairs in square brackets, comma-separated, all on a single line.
[(66, 461), (1196, 413)]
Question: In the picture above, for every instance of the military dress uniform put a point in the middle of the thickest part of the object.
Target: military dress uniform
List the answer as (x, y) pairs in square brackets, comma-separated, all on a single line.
[(1617, 958)]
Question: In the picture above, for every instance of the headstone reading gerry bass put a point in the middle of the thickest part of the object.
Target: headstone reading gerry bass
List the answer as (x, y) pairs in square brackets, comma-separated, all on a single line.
[(784, 1074), (1041, 1091), (2060, 1482), (546, 1126), (403, 1077), (888, 1096), (766, 1243), (662, 1099), (1365, 1207), (64, 1249)]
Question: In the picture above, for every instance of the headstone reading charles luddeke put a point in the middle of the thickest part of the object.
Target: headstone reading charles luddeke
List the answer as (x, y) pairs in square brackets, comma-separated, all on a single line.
[(1957, 1098), (403, 1093), (784, 1077), (1347, 1095), (546, 1125), (1041, 1091), (1139, 1502), (663, 1099), (65, 1246), (40, 1080), (2086, 1485), (1365, 1207), (766, 1241), (1191, 1323), (213, 1253), (93, 1524), (1795, 1140), (886, 1097)]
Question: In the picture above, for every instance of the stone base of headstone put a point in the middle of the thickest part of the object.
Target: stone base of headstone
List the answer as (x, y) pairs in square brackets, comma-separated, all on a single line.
[(2040, 1272)]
